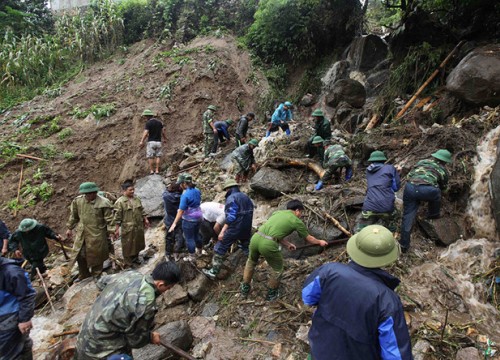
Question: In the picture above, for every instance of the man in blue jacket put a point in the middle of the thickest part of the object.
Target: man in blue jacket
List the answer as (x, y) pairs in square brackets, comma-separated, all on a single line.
[(358, 315), (281, 116), (238, 226), (383, 181), (17, 307)]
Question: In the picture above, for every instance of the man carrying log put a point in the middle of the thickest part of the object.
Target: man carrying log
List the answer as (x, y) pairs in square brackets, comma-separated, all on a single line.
[(266, 242), (122, 317), (29, 241)]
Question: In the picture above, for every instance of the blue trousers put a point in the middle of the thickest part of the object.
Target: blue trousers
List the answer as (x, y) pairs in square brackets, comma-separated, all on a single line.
[(191, 231), (412, 196), (221, 247)]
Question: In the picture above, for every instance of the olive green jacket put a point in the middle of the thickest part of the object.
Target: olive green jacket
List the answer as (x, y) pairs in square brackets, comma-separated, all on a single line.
[(130, 214)]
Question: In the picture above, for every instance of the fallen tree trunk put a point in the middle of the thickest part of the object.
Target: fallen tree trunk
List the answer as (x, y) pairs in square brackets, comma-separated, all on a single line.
[(309, 164)]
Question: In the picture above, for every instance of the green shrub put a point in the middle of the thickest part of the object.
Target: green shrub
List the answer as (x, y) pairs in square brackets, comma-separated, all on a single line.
[(49, 151), (102, 110), (136, 15), (65, 133)]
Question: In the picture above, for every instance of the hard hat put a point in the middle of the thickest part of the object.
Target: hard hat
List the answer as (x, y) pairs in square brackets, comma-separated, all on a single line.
[(373, 247)]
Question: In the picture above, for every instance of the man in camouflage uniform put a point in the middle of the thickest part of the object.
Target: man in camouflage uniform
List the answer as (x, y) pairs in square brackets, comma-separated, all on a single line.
[(94, 216), (243, 160), (334, 160), (424, 183), (323, 129), (209, 129), (130, 216), (122, 317)]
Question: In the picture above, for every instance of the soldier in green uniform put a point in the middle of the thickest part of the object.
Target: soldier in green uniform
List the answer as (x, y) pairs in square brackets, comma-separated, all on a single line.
[(243, 160), (335, 159), (29, 240), (92, 215), (322, 128), (121, 318), (265, 242), (209, 129), (424, 183), (130, 216)]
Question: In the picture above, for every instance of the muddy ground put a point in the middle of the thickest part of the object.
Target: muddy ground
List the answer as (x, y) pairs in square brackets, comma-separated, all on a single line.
[(446, 313)]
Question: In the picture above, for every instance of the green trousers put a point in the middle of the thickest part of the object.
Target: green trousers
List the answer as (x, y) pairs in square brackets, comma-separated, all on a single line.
[(209, 143)]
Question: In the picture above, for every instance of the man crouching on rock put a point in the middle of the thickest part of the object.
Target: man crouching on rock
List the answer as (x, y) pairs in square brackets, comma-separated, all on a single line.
[(122, 317)]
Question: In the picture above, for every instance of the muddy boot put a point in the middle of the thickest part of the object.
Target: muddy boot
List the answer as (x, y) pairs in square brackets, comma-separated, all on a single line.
[(216, 265), (244, 289)]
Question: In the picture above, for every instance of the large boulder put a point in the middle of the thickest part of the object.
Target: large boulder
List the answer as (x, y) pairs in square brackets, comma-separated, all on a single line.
[(339, 70), (366, 52), (177, 333), (376, 81), (348, 90), (444, 231), (150, 189), (476, 79), (271, 182)]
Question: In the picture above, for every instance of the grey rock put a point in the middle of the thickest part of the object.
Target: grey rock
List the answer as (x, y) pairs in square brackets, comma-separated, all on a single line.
[(177, 333), (188, 162), (307, 100), (348, 90), (421, 349), (198, 288), (202, 349), (175, 296), (476, 79), (468, 353), (271, 182), (202, 327), (444, 230), (339, 70), (210, 309), (226, 163), (376, 81), (366, 52), (150, 189), (80, 295)]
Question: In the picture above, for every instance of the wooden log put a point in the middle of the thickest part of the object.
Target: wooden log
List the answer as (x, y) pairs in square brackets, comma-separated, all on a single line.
[(176, 350), (69, 332), (428, 81), (29, 157), (373, 122), (309, 164), (337, 224)]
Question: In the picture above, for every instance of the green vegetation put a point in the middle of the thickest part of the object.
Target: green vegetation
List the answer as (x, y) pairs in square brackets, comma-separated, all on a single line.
[(65, 133), (102, 110), (49, 151)]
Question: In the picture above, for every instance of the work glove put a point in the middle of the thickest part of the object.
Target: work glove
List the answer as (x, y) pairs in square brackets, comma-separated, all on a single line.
[(287, 131), (268, 133), (348, 174), (319, 185)]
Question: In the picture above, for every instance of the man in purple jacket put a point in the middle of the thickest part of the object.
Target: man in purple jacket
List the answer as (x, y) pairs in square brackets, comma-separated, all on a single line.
[(383, 181), (358, 315)]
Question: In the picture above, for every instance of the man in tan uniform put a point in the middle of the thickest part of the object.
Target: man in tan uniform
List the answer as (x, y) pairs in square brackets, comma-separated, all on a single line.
[(130, 216), (93, 217)]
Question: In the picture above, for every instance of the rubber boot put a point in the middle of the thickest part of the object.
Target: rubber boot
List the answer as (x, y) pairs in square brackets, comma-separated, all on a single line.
[(216, 265), (244, 290), (273, 287)]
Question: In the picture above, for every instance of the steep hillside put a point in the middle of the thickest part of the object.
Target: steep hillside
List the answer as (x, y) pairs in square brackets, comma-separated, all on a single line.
[(70, 129)]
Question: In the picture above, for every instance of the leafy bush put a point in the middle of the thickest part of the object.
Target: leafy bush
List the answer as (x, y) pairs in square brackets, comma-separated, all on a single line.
[(136, 15), (102, 110), (65, 133)]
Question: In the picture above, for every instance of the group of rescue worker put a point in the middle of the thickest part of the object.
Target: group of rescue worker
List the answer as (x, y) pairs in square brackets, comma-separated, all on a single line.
[(350, 320)]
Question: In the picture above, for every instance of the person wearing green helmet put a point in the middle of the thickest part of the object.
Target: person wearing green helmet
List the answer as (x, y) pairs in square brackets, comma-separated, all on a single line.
[(29, 241), (209, 130), (424, 183), (383, 181), (322, 128), (155, 133), (94, 216), (222, 134), (280, 118), (335, 159), (358, 314), (242, 128), (243, 161)]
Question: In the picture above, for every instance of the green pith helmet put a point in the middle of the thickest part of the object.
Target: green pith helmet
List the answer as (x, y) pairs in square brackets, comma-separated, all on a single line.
[(148, 112), (212, 107), (443, 155), (318, 112), (229, 183), (229, 122), (336, 147), (373, 247), (27, 225), (253, 142), (317, 140), (184, 177), (377, 155), (88, 187), (288, 104)]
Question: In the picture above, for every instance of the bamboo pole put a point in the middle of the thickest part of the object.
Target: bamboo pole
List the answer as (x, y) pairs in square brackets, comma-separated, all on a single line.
[(373, 122), (19, 188), (29, 157), (46, 290), (427, 82), (337, 224)]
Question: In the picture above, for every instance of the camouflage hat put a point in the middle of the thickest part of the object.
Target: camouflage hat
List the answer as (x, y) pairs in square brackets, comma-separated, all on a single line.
[(443, 155), (212, 107), (184, 177), (148, 112), (88, 187), (27, 225), (229, 122), (373, 247), (377, 155), (318, 112), (317, 140), (288, 104), (229, 183), (253, 142)]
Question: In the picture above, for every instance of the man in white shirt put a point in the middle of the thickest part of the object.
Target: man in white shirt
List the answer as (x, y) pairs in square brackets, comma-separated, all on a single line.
[(213, 221)]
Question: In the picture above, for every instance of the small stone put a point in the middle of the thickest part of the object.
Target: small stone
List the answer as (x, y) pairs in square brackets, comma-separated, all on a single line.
[(201, 349), (420, 350), (175, 296), (277, 350), (210, 309), (469, 353), (302, 334)]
